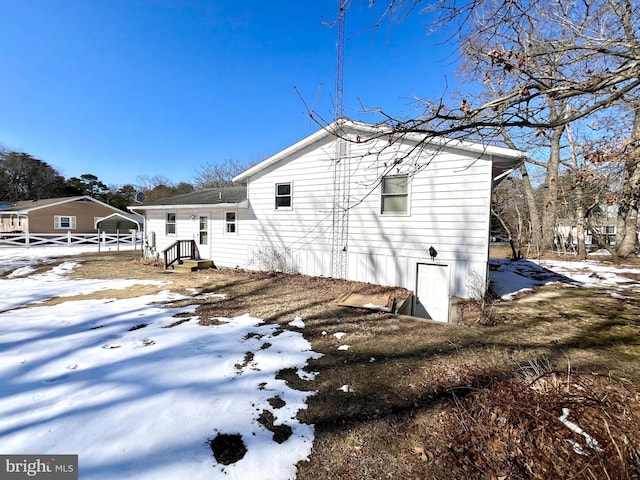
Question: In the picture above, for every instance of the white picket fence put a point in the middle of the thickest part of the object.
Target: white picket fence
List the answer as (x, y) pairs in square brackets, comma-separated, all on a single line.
[(102, 240)]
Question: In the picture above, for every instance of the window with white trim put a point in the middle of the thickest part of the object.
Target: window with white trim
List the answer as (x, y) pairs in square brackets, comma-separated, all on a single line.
[(283, 195), (63, 222), (230, 223), (12, 221), (203, 230), (395, 195), (170, 224)]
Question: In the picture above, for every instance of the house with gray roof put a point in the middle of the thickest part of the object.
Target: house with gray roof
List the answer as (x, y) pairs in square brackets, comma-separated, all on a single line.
[(351, 201), (77, 214)]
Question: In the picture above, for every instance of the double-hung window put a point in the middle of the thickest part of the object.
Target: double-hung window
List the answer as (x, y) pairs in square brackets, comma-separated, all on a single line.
[(63, 222), (203, 230), (230, 223), (170, 224), (283, 195), (395, 195)]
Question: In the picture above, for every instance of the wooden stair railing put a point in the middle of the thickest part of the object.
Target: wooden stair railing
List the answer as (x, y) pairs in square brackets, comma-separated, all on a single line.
[(179, 250)]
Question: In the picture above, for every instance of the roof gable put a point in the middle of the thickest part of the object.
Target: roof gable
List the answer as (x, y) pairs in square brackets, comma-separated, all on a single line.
[(27, 206), (504, 159)]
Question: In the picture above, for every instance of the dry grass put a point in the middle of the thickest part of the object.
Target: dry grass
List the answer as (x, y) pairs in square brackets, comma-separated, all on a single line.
[(432, 401)]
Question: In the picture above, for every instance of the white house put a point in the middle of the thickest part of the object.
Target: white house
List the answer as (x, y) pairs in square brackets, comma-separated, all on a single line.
[(353, 201)]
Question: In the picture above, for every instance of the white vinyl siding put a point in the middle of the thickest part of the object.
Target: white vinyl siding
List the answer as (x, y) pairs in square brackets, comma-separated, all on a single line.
[(63, 222), (448, 202)]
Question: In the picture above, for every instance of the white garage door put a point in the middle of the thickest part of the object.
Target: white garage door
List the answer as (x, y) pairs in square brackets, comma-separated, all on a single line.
[(432, 292)]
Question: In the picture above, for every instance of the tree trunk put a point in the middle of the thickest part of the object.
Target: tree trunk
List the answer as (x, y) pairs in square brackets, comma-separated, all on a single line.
[(627, 225), (579, 204), (550, 207), (534, 215)]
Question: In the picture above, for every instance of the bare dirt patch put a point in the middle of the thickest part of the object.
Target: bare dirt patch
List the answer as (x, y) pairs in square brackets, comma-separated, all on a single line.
[(438, 401)]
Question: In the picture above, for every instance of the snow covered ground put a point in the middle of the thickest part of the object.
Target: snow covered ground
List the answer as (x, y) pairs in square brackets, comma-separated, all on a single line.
[(132, 391), (509, 277), (136, 394)]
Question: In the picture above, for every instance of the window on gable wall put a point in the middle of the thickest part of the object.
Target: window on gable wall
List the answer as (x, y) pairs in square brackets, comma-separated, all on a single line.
[(170, 224), (61, 222), (283, 195), (395, 195)]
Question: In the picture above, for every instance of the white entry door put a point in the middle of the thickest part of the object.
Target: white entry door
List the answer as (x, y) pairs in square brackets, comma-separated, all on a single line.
[(432, 292)]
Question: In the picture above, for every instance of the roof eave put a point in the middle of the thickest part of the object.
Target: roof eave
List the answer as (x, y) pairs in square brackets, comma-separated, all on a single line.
[(200, 206), (512, 157)]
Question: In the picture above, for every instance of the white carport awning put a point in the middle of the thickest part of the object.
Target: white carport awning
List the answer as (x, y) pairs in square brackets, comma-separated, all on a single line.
[(118, 221)]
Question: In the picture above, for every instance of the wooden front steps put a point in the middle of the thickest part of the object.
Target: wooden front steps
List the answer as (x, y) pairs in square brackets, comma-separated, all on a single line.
[(192, 265)]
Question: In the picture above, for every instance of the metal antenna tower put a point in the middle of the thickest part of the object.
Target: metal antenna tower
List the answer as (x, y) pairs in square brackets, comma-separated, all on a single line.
[(342, 12), (340, 210)]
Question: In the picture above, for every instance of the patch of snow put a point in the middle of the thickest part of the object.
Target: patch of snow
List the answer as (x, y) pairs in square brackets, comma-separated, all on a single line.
[(297, 322), (618, 296), (344, 388), (372, 359), (343, 347), (54, 283), (511, 277), (304, 375), (21, 272), (339, 335), (146, 406), (205, 295), (373, 306), (591, 442)]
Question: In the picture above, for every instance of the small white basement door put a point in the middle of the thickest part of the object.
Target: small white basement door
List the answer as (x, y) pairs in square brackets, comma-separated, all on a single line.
[(432, 292)]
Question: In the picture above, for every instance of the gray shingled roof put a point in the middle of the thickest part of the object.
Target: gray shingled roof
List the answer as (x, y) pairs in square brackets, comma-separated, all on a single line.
[(209, 196), (33, 204)]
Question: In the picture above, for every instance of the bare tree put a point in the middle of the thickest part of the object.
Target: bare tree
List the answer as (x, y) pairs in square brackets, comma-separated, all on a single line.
[(220, 174), (544, 65), (158, 187)]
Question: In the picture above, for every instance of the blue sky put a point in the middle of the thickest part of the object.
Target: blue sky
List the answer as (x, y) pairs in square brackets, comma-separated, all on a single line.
[(122, 88)]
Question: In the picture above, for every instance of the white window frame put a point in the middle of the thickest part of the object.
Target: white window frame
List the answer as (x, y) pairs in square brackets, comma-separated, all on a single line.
[(58, 222), (289, 196), (167, 224), (405, 194), (201, 230), (231, 224), (12, 221)]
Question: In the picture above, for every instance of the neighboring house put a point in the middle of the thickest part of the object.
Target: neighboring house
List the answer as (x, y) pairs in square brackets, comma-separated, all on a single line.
[(370, 216), (53, 215), (601, 232)]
